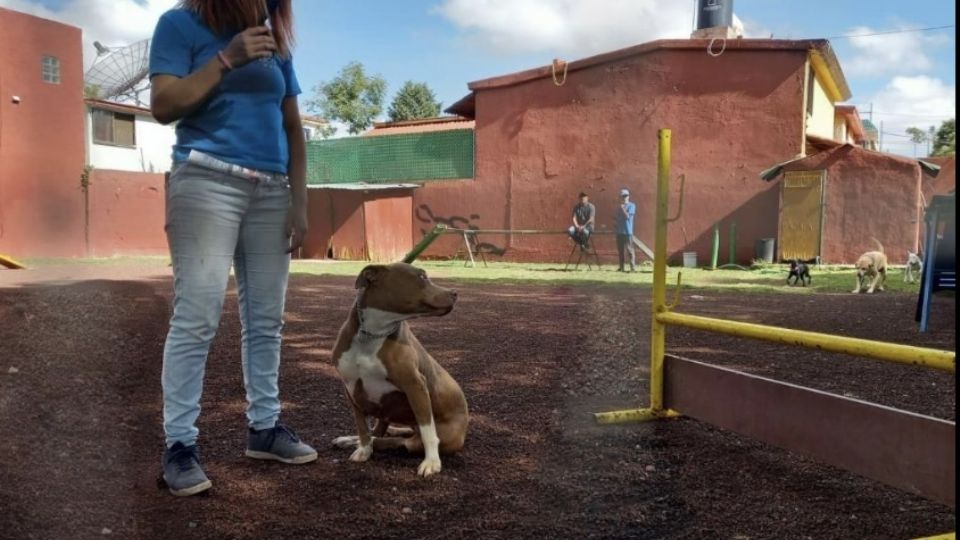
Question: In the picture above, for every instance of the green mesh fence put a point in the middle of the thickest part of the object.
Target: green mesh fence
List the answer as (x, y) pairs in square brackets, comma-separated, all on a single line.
[(437, 155)]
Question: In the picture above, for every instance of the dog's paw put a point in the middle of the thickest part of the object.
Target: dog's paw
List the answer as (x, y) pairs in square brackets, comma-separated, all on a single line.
[(869, 291), (348, 441), (362, 453), (429, 466), (856, 291)]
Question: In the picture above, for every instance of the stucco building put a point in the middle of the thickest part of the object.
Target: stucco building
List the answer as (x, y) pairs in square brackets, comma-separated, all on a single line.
[(41, 137)]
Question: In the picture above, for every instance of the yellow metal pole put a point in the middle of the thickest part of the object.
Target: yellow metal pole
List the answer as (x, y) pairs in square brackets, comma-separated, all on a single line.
[(633, 415), (947, 536), (10, 263), (891, 352), (658, 332)]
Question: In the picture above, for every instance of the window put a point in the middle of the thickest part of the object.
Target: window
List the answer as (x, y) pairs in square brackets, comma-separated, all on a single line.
[(307, 133), (113, 128), (50, 70)]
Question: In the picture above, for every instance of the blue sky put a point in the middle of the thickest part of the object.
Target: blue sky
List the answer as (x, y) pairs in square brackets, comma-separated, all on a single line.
[(909, 77)]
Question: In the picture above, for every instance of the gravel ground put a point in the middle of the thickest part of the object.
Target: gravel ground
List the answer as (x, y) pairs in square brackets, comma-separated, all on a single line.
[(81, 438)]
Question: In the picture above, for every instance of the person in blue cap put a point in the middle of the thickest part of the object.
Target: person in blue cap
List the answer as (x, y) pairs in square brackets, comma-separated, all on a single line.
[(624, 229)]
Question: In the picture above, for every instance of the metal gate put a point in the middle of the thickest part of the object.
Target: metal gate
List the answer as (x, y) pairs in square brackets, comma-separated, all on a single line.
[(801, 214)]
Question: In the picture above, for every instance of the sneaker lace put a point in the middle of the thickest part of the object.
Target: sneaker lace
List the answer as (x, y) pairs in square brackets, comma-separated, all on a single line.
[(185, 458), (281, 428)]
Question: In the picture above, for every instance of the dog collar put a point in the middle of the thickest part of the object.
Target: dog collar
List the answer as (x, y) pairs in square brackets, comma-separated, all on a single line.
[(363, 333)]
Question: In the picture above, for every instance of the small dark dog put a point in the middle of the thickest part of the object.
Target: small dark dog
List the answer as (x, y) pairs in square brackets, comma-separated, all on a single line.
[(799, 271)]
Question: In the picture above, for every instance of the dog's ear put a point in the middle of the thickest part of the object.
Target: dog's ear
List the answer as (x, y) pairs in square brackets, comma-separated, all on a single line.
[(368, 275)]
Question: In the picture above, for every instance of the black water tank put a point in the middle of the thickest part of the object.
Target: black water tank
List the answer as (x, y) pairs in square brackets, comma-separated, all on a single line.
[(712, 13)]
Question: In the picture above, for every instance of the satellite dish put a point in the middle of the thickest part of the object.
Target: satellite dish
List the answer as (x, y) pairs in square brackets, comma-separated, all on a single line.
[(120, 73)]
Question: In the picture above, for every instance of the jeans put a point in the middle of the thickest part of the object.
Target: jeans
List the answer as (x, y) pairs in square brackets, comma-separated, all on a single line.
[(580, 237), (214, 220), (624, 247)]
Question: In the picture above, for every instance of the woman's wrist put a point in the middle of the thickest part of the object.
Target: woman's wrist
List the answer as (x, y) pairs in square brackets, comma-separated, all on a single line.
[(224, 61)]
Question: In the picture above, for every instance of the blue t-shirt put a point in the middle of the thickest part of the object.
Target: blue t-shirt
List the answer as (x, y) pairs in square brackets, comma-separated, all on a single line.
[(625, 223), (242, 121)]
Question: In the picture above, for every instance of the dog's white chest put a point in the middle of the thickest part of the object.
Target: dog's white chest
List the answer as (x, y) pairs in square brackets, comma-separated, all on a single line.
[(360, 362)]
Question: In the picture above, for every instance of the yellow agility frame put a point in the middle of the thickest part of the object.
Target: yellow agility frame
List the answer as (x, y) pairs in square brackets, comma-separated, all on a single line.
[(663, 316)]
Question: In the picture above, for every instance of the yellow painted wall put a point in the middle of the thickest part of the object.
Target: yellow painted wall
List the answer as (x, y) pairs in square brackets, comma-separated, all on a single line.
[(820, 123), (840, 128)]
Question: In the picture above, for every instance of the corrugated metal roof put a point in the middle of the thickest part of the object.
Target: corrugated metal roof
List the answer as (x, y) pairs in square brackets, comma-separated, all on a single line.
[(443, 123)]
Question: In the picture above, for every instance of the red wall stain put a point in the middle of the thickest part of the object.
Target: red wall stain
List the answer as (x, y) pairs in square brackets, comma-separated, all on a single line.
[(41, 139), (538, 145), (126, 214)]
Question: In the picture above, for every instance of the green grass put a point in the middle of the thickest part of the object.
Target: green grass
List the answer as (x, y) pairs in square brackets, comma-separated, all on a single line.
[(765, 278)]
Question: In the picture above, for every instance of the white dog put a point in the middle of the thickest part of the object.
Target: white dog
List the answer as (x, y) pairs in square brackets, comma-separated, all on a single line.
[(914, 268)]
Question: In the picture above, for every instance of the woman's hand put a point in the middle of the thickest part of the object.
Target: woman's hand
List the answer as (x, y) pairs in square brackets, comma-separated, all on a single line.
[(249, 45), (296, 226)]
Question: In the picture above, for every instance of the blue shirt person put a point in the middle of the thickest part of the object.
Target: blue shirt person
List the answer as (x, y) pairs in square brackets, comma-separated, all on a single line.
[(624, 228), (235, 197)]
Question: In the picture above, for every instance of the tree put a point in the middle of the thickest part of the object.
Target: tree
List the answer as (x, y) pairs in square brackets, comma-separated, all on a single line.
[(945, 139), (919, 136), (414, 101), (353, 97)]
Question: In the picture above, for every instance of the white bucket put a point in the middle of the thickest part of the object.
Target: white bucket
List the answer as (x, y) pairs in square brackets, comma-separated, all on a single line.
[(689, 259)]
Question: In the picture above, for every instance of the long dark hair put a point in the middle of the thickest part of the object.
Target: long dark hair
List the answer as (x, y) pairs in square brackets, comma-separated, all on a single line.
[(226, 16)]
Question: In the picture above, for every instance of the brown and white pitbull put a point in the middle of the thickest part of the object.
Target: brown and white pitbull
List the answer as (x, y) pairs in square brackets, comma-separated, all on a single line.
[(390, 376)]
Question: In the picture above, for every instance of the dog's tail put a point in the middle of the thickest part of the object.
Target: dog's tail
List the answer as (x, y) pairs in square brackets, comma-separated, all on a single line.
[(879, 245)]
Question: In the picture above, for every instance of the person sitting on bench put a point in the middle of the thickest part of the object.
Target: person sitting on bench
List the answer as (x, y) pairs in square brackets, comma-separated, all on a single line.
[(583, 219)]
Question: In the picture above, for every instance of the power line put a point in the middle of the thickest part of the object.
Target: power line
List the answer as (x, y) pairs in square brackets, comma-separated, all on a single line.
[(930, 116), (886, 32)]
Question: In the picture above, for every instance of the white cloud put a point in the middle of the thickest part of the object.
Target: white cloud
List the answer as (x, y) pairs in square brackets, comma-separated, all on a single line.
[(903, 54), (111, 22), (573, 27), (917, 101)]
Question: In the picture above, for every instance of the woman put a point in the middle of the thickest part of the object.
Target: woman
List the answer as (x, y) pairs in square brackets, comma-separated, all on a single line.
[(236, 195)]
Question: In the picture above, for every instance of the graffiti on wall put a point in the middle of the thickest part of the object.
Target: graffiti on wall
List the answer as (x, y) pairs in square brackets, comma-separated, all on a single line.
[(424, 214)]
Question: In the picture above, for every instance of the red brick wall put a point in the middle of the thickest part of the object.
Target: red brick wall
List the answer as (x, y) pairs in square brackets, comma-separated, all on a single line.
[(41, 139), (538, 145)]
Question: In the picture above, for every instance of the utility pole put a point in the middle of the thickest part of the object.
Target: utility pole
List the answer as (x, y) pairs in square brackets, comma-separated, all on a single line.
[(881, 135)]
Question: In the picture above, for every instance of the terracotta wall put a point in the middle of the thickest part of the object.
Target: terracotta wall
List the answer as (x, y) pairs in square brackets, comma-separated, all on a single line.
[(320, 227), (41, 139), (944, 182), (868, 195), (538, 145), (387, 218), (126, 214), (359, 225)]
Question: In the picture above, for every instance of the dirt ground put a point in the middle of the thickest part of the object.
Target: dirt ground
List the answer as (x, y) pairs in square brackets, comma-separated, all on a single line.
[(80, 426)]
